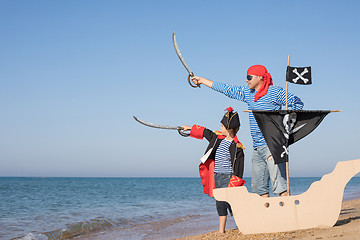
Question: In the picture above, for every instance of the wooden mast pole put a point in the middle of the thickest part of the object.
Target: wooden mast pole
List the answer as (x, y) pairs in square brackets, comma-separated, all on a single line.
[(286, 107), (287, 87)]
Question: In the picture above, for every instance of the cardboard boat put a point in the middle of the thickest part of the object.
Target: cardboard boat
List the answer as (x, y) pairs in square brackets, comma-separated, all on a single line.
[(319, 206)]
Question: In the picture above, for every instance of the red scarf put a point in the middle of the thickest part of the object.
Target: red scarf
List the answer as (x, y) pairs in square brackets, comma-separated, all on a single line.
[(259, 70)]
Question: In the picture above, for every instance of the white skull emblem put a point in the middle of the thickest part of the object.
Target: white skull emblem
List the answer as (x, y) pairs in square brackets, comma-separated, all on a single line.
[(289, 123)]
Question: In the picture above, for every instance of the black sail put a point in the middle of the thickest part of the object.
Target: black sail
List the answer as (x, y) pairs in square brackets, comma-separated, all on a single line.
[(282, 128)]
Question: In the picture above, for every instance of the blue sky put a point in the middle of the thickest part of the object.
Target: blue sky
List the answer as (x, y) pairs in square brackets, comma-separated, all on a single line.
[(73, 73)]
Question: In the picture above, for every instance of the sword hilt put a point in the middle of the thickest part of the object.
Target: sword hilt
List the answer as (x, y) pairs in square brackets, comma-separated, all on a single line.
[(194, 86), (182, 133)]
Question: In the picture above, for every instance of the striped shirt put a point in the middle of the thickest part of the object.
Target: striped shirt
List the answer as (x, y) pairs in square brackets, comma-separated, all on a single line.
[(273, 100), (222, 158)]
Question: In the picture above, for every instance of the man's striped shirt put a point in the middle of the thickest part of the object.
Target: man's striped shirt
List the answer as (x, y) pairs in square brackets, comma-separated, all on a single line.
[(273, 100), (222, 158)]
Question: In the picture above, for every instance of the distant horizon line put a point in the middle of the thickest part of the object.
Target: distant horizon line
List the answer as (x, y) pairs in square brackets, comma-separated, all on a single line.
[(125, 177)]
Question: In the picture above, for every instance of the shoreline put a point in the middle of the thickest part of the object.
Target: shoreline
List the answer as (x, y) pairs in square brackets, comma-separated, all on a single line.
[(347, 227)]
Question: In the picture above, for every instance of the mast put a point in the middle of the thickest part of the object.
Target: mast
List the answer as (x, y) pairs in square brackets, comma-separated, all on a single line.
[(286, 108)]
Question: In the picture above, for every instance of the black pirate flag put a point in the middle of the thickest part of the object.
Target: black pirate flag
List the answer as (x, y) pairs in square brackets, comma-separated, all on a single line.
[(282, 128), (298, 75)]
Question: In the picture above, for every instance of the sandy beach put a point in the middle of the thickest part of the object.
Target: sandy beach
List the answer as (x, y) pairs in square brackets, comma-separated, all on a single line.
[(347, 227)]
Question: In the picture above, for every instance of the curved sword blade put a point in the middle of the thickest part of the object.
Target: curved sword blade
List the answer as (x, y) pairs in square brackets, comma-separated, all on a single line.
[(155, 125), (178, 53)]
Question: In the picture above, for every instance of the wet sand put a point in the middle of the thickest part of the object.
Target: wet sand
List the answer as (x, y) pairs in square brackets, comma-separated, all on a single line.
[(347, 227)]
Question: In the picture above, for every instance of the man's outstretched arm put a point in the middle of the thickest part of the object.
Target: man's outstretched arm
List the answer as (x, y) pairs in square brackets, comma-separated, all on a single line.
[(229, 90)]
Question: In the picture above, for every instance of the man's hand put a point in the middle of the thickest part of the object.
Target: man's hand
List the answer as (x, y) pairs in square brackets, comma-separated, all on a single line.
[(200, 80)]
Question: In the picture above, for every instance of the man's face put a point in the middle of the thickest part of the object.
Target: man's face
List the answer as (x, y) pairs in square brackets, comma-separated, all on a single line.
[(254, 81)]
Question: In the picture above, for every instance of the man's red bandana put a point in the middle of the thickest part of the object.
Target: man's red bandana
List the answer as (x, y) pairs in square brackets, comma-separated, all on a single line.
[(259, 70)]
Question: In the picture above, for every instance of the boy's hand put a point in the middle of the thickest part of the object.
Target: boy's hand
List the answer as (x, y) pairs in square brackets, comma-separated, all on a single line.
[(186, 128)]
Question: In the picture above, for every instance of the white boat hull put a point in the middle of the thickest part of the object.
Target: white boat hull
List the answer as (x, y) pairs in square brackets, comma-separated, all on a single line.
[(319, 206)]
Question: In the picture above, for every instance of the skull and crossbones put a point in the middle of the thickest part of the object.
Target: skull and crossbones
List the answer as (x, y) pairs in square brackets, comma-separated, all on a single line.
[(289, 121), (300, 75)]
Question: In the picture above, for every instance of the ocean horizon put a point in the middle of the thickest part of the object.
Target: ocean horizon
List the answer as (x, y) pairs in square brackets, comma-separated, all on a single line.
[(39, 208)]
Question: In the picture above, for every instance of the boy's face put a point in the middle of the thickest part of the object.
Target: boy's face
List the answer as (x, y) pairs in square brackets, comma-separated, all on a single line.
[(224, 131)]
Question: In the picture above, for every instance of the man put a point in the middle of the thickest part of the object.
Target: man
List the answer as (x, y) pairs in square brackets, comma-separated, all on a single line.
[(260, 94)]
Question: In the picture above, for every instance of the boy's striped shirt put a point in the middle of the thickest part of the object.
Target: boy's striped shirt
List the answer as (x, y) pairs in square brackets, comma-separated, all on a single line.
[(222, 158)]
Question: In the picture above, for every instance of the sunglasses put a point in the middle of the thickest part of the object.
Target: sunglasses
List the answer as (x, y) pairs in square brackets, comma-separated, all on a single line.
[(249, 77)]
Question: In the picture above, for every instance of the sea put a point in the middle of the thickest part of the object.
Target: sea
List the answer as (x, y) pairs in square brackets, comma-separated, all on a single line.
[(43, 208)]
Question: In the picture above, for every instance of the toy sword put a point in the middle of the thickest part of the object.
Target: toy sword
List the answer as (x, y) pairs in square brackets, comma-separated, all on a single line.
[(163, 127), (191, 74)]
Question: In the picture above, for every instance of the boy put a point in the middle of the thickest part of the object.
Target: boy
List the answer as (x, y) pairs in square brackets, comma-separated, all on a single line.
[(224, 159)]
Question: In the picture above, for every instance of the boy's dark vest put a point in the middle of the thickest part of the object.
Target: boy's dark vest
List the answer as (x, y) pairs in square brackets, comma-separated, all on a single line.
[(206, 169)]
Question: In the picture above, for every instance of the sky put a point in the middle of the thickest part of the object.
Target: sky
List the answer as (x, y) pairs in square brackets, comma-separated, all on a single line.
[(74, 73)]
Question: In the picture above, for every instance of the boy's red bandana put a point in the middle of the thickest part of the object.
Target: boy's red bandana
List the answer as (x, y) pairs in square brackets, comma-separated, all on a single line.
[(259, 70)]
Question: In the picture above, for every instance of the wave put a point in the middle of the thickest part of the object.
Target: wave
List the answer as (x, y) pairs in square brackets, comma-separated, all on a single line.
[(102, 224), (76, 229)]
